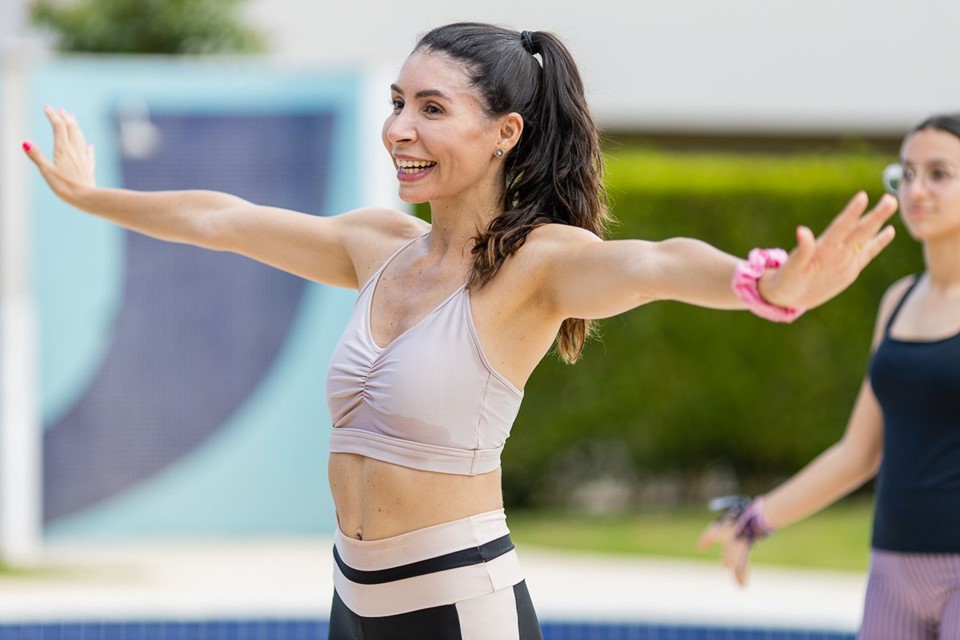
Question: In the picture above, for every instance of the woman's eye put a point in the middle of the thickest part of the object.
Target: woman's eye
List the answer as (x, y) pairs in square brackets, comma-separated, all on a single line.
[(909, 174), (432, 110), (397, 105), (940, 175)]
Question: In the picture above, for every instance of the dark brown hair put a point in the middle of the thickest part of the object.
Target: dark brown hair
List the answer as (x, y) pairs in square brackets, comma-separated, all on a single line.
[(555, 173), (949, 122)]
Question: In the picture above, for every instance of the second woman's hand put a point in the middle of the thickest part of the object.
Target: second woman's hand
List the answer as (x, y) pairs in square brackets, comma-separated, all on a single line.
[(735, 552), (821, 267)]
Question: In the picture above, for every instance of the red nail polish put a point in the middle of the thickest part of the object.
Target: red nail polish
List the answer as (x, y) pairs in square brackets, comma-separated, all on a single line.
[(27, 146)]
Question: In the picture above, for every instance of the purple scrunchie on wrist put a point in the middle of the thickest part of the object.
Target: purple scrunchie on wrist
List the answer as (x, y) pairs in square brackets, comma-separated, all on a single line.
[(746, 276), (751, 525)]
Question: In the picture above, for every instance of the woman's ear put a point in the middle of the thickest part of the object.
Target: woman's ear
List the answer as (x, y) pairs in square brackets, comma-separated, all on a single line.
[(511, 126)]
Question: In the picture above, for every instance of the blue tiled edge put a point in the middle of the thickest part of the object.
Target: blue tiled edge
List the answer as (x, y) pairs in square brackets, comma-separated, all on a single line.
[(310, 629)]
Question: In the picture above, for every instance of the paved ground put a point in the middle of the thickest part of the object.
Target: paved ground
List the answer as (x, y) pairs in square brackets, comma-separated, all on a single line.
[(291, 578)]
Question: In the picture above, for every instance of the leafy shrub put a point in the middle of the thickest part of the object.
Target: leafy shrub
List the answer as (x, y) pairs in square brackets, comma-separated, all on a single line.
[(146, 26)]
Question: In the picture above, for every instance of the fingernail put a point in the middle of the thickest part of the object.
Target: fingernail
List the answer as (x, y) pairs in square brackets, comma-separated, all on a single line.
[(27, 146)]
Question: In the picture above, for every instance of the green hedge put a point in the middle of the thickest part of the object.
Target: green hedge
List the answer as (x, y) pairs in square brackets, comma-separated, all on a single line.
[(674, 390)]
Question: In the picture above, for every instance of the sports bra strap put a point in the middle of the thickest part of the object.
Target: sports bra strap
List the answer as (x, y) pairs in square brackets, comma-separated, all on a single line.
[(896, 310)]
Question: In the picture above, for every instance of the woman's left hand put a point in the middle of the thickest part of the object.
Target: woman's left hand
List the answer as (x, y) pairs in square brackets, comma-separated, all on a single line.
[(820, 268), (735, 551)]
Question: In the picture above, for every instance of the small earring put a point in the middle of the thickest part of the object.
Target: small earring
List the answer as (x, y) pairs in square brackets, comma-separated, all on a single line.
[(499, 153)]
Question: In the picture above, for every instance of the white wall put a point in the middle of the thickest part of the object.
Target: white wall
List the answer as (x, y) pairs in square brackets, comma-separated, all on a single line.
[(827, 66), (817, 66)]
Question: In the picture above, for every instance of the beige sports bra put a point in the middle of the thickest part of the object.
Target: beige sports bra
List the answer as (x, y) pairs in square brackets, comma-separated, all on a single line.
[(429, 400)]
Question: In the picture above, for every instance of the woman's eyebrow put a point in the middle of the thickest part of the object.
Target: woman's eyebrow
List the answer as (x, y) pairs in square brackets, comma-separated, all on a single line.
[(423, 93), (931, 161)]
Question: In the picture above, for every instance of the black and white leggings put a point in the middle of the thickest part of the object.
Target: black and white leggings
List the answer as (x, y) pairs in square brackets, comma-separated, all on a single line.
[(459, 580)]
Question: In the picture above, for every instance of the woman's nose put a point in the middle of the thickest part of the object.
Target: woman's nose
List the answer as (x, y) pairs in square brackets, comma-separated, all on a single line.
[(916, 187), (400, 128)]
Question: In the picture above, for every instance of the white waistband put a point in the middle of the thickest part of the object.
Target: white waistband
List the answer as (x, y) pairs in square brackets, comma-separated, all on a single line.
[(422, 544)]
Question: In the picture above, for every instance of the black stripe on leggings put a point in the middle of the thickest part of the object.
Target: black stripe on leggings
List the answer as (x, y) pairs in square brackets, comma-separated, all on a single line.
[(463, 558)]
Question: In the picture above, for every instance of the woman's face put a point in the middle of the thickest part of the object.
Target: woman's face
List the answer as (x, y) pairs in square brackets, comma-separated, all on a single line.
[(930, 189), (441, 141)]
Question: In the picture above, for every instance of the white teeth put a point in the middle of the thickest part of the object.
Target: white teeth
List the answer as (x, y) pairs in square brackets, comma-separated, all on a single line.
[(414, 164)]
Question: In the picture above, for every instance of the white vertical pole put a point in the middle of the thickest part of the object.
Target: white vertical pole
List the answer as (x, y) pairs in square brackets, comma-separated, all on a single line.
[(20, 430), (380, 186)]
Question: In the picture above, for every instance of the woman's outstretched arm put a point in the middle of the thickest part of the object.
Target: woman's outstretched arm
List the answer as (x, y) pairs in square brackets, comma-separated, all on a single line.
[(323, 249), (585, 277)]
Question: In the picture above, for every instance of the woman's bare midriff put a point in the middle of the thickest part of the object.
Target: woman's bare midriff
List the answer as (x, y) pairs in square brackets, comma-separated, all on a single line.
[(376, 499)]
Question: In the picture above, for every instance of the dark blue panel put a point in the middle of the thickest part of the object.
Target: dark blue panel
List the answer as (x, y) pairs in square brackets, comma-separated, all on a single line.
[(197, 329)]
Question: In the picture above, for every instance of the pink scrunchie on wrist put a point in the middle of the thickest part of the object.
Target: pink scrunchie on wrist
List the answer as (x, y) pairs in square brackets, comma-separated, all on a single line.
[(747, 274)]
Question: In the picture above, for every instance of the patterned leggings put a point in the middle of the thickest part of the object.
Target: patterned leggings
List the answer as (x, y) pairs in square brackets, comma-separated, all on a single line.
[(456, 581), (912, 596)]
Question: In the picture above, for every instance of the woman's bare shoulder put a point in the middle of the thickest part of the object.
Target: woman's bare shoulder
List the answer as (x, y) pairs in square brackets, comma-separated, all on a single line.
[(372, 234), (554, 241), (546, 251), (562, 233), (891, 298), (382, 222), (894, 293)]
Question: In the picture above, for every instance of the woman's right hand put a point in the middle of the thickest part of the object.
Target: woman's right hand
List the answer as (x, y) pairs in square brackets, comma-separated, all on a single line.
[(72, 169)]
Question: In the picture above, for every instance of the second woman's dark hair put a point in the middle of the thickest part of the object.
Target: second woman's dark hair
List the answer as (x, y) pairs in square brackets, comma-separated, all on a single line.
[(949, 122), (555, 172)]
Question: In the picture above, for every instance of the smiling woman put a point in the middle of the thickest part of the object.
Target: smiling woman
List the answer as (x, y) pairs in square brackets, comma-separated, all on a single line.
[(490, 127)]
